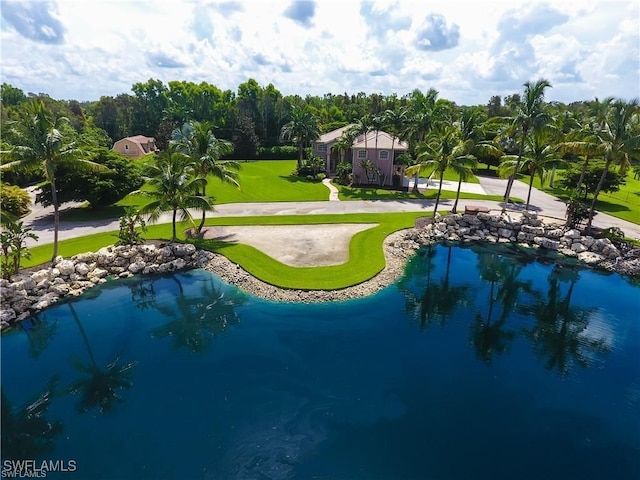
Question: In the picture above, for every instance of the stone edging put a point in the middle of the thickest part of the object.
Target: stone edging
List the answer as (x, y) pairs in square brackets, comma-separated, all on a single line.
[(23, 295)]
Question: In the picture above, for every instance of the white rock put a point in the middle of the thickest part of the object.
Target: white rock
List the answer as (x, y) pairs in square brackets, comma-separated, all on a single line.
[(7, 314), (66, 267), (590, 258), (136, 267), (41, 275), (82, 269), (578, 247)]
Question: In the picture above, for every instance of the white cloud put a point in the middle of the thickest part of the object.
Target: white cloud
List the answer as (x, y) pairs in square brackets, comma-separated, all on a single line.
[(585, 49)]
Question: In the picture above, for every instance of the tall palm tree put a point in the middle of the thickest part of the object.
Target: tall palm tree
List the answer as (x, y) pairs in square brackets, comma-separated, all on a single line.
[(539, 154), (39, 140), (197, 140), (301, 129), (441, 150), (618, 141), (530, 115), (394, 122), (175, 188)]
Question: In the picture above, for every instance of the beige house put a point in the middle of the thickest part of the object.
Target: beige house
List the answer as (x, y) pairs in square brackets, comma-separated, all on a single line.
[(136, 147)]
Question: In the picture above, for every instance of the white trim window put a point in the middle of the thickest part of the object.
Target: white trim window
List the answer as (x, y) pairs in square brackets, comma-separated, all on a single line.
[(321, 147), (383, 155), (362, 154)]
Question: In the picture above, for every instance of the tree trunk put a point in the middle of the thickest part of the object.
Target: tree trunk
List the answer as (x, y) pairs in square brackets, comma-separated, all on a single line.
[(552, 179), (56, 218), (526, 207), (582, 173), (174, 237), (300, 152), (204, 213), (595, 195), (415, 183), (435, 209), (507, 193), (455, 204)]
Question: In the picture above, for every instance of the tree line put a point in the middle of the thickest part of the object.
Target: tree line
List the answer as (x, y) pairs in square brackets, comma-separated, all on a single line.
[(524, 134)]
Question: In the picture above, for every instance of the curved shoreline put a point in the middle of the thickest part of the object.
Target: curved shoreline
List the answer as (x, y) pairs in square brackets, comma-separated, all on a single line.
[(395, 255)]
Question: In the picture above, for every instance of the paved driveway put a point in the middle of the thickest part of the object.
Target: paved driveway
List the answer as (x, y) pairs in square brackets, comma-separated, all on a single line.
[(546, 205)]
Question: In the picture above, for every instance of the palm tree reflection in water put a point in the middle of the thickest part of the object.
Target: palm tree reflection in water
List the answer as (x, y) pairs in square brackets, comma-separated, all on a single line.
[(98, 387), (26, 432), (196, 320), (559, 335)]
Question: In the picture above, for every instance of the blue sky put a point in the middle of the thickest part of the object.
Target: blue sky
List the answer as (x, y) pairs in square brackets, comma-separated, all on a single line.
[(467, 50)]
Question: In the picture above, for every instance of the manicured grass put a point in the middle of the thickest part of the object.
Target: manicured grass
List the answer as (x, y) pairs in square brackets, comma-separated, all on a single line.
[(267, 181), (371, 193), (366, 256), (624, 204)]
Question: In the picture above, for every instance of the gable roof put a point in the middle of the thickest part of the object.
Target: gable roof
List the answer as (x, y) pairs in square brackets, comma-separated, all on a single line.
[(385, 141), (333, 135)]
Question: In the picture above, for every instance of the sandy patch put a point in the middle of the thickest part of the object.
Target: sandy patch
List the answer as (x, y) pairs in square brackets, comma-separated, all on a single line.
[(295, 245)]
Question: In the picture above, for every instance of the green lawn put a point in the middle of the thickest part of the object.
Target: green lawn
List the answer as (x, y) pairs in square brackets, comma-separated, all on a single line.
[(624, 204), (366, 256)]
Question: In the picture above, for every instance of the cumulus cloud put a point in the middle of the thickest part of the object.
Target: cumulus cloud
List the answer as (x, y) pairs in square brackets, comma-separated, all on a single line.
[(518, 25), (380, 20), (35, 20), (163, 59), (434, 34), (260, 59), (229, 8), (301, 12)]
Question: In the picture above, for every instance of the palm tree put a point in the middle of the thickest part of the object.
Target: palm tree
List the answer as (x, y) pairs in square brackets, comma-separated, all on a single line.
[(530, 115), (618, 141), (301, 129), (442, 150), (197, 140), (39, 140), (99, 387), (538, 155), (394, 122), (174, 187)]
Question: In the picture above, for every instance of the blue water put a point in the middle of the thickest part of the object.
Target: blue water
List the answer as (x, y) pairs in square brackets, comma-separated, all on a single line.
[(477, 364)]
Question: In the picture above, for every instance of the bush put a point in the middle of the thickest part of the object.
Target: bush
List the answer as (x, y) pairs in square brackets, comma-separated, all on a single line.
[(14, 201), (99, 188), (279, 152)]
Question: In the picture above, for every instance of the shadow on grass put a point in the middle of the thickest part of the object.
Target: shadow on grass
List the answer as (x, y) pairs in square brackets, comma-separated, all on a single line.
[(86, 214), (375, 193), (295, 179), (607, 207)]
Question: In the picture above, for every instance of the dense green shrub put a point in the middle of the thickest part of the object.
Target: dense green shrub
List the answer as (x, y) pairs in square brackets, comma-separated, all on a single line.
[(279, 152), (99, 188), (14, 201)]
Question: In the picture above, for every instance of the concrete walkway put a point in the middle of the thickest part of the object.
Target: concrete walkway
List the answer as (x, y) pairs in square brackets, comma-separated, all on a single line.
[(41, 220)]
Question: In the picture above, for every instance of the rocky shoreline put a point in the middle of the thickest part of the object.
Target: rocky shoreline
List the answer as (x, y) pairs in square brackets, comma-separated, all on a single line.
[(26, 294)]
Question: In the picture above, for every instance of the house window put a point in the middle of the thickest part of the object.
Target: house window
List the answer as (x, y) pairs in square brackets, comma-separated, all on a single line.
[(126, 147), (321, 147), (362, 154), (384, 155)]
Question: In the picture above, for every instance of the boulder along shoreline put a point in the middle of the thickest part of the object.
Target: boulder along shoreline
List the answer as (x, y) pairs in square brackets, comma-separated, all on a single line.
[(26, 294)]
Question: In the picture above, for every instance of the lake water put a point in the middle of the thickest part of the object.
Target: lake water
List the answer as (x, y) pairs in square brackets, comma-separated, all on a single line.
[(478, 363)]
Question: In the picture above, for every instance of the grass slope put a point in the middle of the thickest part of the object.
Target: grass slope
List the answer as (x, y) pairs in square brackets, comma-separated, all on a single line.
[(366, 257)]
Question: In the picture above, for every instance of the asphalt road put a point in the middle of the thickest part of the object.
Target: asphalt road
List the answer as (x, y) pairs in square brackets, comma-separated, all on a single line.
[(41, 219)]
